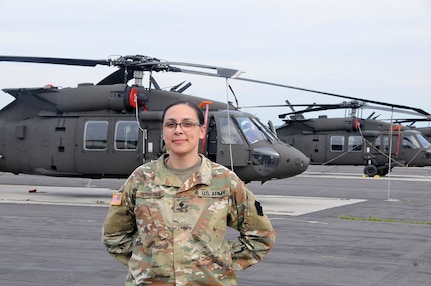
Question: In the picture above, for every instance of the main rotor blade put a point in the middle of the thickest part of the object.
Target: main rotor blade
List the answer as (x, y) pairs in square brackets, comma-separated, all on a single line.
[(394, 110), (168, 66), (312, 108), (56, 61), (292, 105), (145, 63), (413, 120), (418, 110), (322, 107)]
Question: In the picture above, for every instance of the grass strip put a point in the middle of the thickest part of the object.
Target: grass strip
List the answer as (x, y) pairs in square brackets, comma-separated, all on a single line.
[(377, 219)]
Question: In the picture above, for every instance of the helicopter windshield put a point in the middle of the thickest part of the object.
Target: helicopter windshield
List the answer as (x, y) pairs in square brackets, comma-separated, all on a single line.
[(423, 141), (264, 129), (410, 142), (251, 131), (229, 134)]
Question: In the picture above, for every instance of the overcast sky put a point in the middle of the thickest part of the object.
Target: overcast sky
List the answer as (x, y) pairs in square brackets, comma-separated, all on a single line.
[(372, 49)]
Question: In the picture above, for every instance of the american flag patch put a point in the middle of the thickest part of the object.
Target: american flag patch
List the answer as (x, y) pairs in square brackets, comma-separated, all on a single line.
[(116, 199)]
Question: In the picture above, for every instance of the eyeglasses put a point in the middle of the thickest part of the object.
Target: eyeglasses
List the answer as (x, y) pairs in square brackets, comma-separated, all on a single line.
[(187, 125)]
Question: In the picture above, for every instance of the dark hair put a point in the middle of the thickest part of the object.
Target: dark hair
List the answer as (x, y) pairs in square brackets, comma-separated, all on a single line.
[(198, 111)]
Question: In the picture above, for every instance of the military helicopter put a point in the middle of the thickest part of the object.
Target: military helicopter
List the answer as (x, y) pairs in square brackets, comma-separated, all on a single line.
[(352, 140), (105, 130)]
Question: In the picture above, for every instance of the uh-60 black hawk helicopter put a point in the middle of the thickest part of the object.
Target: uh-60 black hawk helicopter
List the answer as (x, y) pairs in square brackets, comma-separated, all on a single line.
[(351, 140), (107, 129)]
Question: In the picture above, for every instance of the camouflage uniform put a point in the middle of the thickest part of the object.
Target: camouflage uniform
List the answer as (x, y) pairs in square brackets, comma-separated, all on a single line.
[(173, 233)]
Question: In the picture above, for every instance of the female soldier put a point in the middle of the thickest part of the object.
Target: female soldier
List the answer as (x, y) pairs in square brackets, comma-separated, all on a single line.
[(168, 223)]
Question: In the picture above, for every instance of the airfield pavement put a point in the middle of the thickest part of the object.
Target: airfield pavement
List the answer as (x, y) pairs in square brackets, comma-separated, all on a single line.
[(50, 230)]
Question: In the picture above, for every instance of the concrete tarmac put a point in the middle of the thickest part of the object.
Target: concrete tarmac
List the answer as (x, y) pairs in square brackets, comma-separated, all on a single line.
[(334, 227)]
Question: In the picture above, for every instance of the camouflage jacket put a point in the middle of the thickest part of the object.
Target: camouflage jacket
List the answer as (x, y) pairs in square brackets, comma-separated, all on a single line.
[(174, 233)]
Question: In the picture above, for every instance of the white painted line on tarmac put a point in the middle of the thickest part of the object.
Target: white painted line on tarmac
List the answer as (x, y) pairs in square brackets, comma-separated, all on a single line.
[(276, 205), (295, 205)]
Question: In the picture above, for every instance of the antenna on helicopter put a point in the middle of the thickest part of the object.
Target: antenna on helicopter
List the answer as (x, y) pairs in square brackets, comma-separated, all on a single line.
[(175, 88), (371, 115)]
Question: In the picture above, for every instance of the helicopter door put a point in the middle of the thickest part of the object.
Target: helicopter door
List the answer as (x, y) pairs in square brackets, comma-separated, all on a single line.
[(315, 145), (107, 147), (152, 142)]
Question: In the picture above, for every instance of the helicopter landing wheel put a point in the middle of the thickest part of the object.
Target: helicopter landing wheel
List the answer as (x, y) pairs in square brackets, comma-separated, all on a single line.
[(370, 170)]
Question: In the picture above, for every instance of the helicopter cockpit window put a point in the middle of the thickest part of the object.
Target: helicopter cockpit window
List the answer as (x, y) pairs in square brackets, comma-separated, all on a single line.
[(424, 142), (96, 135), (250, 130), (229, 134), (355, 143), (264, 129), (410, 142), (337, 143), (126, 135)]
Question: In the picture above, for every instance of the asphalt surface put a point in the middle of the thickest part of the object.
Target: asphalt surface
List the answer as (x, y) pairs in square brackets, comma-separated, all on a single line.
[(50, 230)]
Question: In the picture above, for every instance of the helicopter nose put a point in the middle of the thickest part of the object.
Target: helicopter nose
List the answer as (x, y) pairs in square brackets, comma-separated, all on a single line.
[(294, 163), (279, 161)]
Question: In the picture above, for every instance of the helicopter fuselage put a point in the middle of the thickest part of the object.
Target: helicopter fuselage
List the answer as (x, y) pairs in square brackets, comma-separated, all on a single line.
[(355, 141), (107, 131)]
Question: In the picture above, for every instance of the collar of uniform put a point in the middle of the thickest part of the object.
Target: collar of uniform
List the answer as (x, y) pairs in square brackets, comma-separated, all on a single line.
[(202, 175)]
